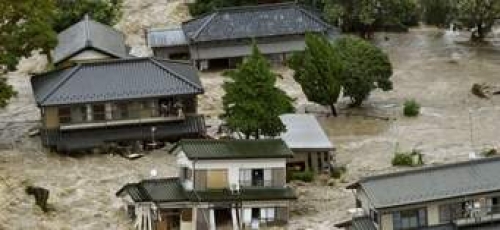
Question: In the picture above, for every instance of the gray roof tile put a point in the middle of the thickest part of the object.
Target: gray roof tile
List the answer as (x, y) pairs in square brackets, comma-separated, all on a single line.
[(166, 37), (432, 183), (254, 22), (89, 34), (303, 132), (116, 80)]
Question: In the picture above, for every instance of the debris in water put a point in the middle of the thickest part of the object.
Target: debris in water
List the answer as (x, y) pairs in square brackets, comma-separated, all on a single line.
[(480, 90), (41, 196)]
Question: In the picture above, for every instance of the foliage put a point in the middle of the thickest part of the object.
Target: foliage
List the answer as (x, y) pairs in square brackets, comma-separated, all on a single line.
[(252, 103), (306, 176), (366, 16), (318, 71), (70, 12), (337, 172), (366, 67), (438, 12), (479, 15), (411, 108), (413, 158), (489, 152), (25, 27)]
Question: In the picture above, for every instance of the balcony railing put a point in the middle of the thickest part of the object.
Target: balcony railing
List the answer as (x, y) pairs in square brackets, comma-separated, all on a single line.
[(478, 215), (256, 183), (114, 121)]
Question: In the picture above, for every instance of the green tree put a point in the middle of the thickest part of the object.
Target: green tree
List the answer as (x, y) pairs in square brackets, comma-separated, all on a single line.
[(479, 15), (318, 70), (438, 12), (366, 67), (70, 12), (25, 27), (252, 103)]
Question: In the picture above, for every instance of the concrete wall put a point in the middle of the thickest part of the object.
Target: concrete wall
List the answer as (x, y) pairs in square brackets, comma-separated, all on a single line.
[(432, 215), (386, 221)]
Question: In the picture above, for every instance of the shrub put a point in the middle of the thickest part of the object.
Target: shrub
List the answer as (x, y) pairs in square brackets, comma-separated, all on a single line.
[(489, 152), (411, 108), (413, 158), (338, 171), (306, 176)]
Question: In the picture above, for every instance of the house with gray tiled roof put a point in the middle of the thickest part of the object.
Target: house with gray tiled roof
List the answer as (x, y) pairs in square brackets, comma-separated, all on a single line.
[(89, 40), (222, 184), (458, 196), (92, 104), (224, 37)]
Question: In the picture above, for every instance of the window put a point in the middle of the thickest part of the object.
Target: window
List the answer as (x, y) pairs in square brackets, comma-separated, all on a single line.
[(64, 115), (120, 111), (79, 113), (450, 212), (410, 219), (99, 112)]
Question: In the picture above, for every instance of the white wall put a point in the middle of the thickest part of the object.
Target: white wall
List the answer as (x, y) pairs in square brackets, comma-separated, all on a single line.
[(233, 166), (89, 55)]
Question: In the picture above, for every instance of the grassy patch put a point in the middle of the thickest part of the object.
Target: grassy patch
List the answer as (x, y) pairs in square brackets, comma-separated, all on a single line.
[(411, 108)]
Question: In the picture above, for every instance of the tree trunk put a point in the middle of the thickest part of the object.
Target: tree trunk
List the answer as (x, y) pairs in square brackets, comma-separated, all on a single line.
[(334, 110)]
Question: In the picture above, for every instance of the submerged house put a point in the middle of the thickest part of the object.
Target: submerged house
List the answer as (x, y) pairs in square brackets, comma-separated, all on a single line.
[(223, 38), (459, 196), (88, 41), (98, 95), (312, 149), (222, 184)]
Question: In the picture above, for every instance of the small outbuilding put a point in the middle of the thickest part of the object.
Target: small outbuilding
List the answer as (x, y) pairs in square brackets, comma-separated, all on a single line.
[(311, 147)]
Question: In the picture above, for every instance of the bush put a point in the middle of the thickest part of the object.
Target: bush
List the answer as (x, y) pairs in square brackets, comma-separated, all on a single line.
[(413, 158), (411, 108), (489, 152), (306, 176), (338, 171)]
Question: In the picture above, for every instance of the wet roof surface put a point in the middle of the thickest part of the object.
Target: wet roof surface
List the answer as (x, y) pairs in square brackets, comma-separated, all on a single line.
[(304, 132), (433, 183)]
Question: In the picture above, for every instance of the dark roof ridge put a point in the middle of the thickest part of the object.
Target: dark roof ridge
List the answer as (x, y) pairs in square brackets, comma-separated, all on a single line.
[(423, 169), (312, 16), (258, 6), (204, 25), (64, 80), (175, 73)]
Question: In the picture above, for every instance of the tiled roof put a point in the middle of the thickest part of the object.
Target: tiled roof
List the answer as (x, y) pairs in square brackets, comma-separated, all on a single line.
[(234, 149), (89, 34), (254, 22), (362, 223), (432, 183), (191, 127), (303, 132), (121, 79), (171, 190), (166, 37)]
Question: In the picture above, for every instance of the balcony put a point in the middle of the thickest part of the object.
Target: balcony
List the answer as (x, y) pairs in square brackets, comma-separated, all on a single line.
[(479, 215), (120, 122)]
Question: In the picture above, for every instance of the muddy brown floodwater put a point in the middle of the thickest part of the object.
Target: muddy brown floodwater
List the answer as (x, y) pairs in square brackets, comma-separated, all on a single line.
[(429, 66)]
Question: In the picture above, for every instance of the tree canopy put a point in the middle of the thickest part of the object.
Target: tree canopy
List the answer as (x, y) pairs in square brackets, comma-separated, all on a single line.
[(25, 27), (318, 71), (252, 103), (479, 15), (366, 67), (69, 12)]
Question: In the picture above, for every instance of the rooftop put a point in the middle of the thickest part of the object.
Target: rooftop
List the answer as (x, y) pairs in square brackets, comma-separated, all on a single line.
[(171, 190), (166, 37), (234, 149), (303, 132), (89, 34), (121, 79), (432, 183), (253, 22)]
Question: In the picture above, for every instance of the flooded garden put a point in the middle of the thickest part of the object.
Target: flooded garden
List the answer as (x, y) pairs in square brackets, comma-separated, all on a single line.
[(435, 67)]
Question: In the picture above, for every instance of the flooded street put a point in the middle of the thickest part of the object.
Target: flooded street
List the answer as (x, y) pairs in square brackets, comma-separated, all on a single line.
[(429, 66)]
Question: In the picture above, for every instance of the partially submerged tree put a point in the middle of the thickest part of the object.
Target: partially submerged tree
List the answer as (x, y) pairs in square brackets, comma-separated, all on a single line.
[(438, 12), (318, 70), (366, 67), (252, 103), (479, 15), (25, 27), (70, 12)]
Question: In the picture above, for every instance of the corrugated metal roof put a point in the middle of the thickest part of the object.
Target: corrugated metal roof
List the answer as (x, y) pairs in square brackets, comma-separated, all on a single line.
[(116, 80), (432, 183), (254, 22), (235, 149), (89, 34), (304, 132), (166, 37), (171, 190)]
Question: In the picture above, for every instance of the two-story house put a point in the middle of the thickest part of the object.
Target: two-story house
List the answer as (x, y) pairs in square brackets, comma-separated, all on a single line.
[(459, 196), (223, 37), (222, 184)]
